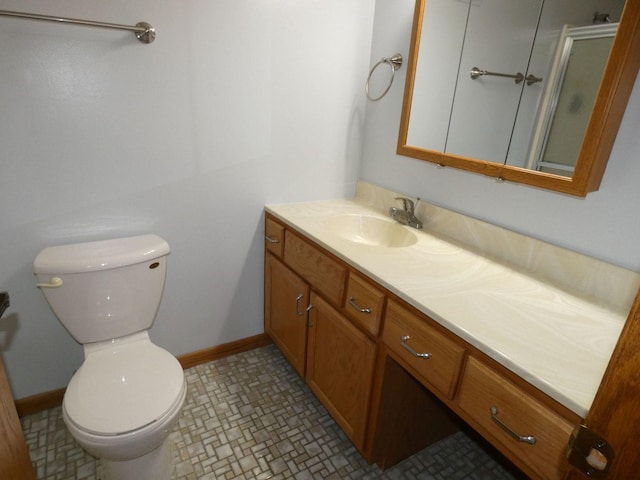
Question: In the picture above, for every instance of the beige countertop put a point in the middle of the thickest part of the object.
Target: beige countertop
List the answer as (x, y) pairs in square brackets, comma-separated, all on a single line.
[(558, 341)]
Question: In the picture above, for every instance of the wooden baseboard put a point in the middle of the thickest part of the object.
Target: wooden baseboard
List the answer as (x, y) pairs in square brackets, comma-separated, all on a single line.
[(39, 402), (46, 400), (199, 357)]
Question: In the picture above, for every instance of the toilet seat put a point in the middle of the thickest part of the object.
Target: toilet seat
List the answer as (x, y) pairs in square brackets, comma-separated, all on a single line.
[(123, 387)]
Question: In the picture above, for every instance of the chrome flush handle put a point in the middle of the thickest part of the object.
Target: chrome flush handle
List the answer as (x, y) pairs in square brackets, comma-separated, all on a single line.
[(54, 282)]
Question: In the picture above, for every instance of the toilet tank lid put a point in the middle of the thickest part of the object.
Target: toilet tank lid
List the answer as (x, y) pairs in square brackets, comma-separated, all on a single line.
[(100, 255)]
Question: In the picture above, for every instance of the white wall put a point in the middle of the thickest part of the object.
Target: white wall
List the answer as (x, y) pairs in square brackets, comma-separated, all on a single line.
[(604, 224), (236, 104)]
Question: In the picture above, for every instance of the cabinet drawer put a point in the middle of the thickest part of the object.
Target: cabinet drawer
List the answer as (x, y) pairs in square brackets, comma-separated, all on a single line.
[(323, 273), (364, 304), (274, 237), (435, 359), (490, 399)]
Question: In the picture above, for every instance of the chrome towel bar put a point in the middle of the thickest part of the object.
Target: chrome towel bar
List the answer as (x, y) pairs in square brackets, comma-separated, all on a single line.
[(518, 77), (144, 32)]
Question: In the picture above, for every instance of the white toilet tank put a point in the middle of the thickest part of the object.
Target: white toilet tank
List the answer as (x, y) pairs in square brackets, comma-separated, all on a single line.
[(105, 289)]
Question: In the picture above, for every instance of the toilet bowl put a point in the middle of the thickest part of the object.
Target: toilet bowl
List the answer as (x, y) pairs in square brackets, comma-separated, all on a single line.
[(123, 401)]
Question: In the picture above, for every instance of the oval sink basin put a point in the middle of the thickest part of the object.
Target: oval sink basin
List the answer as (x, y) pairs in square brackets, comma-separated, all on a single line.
[(372, 231)]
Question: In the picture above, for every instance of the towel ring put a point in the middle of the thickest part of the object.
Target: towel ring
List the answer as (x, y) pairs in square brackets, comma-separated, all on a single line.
[(395, 63)]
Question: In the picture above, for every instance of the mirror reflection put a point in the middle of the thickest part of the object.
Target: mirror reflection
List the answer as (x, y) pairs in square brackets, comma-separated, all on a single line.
[(510, 82), (569, 96)]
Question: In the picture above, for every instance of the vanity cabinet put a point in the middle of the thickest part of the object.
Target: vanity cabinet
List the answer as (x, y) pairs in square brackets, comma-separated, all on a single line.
[(521, 422), (306, 317), (393, 378), (515, 418)]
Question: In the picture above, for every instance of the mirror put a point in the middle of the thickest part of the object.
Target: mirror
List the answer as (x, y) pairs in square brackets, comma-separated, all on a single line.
[(487, 82)]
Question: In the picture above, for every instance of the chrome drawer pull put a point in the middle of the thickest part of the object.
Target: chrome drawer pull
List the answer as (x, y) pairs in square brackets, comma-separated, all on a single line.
[(298, 298), (352, 302), (308, 310), (530, 439), (405, 345), (271, 239)]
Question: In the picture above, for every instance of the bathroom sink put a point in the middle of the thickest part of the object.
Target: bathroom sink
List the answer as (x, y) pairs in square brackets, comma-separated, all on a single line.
[(372, 231)]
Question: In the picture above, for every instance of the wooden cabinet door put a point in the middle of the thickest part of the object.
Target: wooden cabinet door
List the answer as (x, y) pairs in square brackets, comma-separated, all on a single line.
[(286, 297), (340, 368), (15, 463), (615, 412)]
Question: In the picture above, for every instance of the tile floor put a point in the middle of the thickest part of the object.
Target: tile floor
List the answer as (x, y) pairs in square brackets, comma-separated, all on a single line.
[(250, 416)]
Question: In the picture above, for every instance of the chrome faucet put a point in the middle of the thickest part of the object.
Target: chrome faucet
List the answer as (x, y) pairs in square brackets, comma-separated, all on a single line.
[(406, 216)]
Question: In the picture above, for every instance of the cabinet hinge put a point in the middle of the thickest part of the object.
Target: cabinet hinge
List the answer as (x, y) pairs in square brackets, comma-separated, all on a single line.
[(589, 452)]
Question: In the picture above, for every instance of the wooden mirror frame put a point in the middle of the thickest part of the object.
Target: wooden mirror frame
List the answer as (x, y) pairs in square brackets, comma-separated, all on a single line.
[(617, 83)]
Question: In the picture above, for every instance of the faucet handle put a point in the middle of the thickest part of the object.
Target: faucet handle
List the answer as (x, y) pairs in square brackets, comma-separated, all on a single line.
[(409, 206)]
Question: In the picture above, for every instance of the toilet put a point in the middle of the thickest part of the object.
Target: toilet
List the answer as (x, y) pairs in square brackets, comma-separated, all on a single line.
[(122, 402)]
